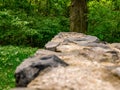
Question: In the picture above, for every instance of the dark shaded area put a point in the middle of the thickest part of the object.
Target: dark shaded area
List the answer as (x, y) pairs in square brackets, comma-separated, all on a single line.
[(31, 67)]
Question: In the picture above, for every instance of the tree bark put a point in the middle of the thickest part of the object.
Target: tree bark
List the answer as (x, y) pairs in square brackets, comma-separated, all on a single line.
[(78, 16)]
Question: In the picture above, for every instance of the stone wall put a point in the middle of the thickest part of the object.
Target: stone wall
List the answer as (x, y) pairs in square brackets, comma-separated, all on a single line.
[(72, 61)]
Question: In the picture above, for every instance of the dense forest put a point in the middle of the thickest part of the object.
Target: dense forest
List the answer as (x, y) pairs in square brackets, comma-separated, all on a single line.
[(32, 23)]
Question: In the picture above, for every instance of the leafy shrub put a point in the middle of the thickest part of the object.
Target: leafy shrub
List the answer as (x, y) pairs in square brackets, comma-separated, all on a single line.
[(48, 27), (104, 20), (28, 30)]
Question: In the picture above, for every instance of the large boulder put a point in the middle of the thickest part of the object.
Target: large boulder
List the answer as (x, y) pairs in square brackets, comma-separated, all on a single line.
[(31, 67), (93, 65)]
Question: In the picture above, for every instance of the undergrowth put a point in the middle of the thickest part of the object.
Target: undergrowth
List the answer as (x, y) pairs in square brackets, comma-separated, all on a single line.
[(10, 58)]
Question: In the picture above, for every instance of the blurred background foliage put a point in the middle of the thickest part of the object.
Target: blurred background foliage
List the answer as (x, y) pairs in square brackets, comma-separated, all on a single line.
[(104, 19), (35, 22)]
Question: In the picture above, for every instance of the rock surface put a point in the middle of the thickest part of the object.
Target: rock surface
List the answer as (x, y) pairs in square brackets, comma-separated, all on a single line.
[(24, 89), (91, 64), (31, 67)]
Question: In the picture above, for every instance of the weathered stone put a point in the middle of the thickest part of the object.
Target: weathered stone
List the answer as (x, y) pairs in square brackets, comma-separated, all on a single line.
[(116, 71), (84, 41), (51, 45), (73, 39), (114, 55), (65, 35), (91, 39), (67, 48), (116, 45), (97, 45), (43, 52), (31, 67), (88, 76), (93, 65), (24, 89)]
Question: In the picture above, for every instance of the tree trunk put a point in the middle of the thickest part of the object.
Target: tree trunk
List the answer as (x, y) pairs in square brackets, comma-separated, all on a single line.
[(78, 16)]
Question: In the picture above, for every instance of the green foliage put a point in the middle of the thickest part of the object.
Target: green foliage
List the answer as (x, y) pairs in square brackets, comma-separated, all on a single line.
[(32, 22), (42, 7), (104, 20), (28, 30), (49, 26), (35, 22), (10, 58)]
